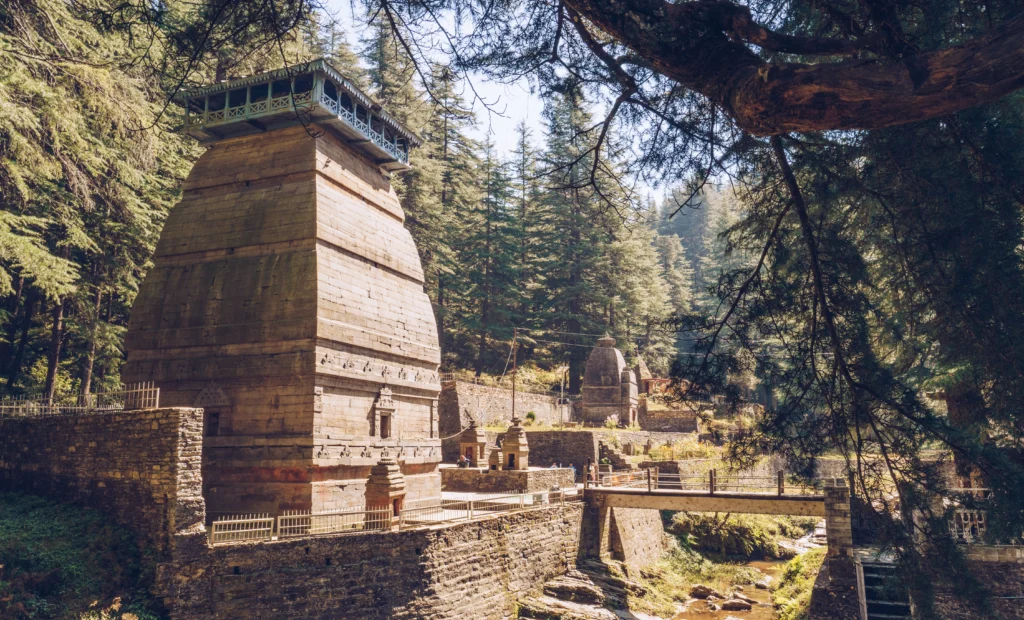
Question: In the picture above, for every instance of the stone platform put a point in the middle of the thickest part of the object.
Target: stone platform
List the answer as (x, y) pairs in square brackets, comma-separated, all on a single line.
[(483, 480)]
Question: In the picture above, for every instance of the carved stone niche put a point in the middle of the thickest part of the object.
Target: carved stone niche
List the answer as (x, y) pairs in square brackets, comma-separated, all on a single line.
[(383, 414)]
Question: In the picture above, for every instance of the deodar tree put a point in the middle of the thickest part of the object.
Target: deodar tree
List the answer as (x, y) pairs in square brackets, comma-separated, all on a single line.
[(873, 145)]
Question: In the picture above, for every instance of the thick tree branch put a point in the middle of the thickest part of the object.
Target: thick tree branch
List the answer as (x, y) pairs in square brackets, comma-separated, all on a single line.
[(702, 45)]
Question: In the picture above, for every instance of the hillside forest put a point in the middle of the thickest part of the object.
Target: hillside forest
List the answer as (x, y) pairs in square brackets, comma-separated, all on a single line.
[(506, 240)]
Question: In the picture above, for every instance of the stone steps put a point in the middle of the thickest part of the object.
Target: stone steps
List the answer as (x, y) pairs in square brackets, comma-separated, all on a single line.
[(886, 599), (618, 460)]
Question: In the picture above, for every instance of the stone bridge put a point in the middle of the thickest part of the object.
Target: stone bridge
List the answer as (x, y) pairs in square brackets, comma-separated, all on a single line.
[(832, 503)]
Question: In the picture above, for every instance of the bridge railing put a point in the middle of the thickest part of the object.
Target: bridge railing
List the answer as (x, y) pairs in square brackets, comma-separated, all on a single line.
[(712, 482)]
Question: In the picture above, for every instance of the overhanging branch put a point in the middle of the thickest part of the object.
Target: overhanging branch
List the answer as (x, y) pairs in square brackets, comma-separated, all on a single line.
[(703, 46)]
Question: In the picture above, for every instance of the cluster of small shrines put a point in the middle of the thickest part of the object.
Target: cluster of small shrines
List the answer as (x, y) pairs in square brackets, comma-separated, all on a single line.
[(510, 452)]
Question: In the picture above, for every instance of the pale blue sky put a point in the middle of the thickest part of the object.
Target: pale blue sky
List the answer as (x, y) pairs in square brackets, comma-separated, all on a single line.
[(506, 105)]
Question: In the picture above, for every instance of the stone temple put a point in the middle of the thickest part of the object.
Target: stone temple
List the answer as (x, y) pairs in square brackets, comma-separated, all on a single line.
[(286, 299), (609, 386)]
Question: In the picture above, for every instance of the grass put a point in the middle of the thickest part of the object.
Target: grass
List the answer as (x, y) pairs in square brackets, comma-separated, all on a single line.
[(670, 579), (792, 592), (62, 561), (746, 535), (687, 448)]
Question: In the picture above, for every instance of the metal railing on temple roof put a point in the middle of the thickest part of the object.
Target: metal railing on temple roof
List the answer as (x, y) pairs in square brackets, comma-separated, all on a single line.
[(126, 398), (304, 93)]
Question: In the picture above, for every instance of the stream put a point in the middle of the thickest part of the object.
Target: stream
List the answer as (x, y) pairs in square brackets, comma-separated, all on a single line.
[(698, 609)]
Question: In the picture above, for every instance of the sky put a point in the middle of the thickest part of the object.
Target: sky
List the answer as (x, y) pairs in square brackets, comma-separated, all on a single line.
[(499, 107), (506, 105)]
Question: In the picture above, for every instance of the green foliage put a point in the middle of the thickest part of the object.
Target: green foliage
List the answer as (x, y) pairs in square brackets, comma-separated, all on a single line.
[(62, 561), (86, 184), (792, 592), (686, 448), (743, 535), (679, 569)]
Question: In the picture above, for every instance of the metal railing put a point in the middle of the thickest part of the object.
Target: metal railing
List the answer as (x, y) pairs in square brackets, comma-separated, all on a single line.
[(968, 526), (653, 479), (305, 523), (242, 528), (128, 398), (425, 513)]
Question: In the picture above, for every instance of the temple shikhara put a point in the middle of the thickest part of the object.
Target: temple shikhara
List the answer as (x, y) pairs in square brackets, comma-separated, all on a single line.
[(286, 299)]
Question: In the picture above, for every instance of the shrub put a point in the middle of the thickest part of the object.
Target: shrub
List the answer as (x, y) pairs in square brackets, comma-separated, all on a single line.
[(792, 593), (612, 421), (60, 561), (531, 417), (743, 535)]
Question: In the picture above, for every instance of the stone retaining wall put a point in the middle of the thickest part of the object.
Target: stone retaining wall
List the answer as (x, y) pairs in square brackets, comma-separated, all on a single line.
[(142, 468), (474, 480), (671, 420), (469, 570), (490, 406), (1000, 569)]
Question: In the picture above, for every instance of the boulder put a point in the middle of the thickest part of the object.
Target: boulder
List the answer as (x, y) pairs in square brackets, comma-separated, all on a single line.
[(735, 604), (702, 591)]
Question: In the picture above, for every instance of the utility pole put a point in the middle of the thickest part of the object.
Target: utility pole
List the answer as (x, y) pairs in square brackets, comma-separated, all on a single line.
[(515, 344)]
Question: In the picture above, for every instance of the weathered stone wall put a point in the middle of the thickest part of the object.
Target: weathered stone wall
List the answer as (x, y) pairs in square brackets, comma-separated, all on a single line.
[(470, 570), (142, 468), (637, 536), (1000, 569), (563, 448), (670, 420), (472, 480), (491, 406)]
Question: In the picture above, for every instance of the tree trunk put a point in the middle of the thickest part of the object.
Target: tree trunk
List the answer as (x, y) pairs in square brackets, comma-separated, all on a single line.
[(90, 358), (26, 323), (15, 309), (53, 358), (966, 408)]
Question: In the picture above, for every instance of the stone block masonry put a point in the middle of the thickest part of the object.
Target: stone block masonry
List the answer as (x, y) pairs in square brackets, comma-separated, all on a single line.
[(491, 406), (471, 570), (142, 468), (286, 299), (475, 480)]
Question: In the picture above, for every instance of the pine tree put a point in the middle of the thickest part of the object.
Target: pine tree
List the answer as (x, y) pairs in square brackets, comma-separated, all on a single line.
[(488, 259), (84, 195)]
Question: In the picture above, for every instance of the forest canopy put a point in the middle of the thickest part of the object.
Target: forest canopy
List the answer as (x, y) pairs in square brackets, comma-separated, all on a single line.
[(843, 221)]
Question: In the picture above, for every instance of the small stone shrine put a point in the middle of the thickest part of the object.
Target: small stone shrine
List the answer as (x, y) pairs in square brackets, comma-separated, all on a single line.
[(609, 386), (473, 445), (286, 299), (386, 486), (515, 448)]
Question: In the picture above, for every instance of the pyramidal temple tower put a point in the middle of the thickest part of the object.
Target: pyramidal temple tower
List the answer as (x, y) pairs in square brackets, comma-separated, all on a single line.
[(286, 299)]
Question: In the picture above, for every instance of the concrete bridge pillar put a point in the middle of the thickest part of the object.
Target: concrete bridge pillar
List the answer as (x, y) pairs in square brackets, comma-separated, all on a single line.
[(839, 533)]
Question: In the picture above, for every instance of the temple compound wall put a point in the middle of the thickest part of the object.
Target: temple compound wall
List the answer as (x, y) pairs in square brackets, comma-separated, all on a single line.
[(286, 300), (142, 468), (469, 570), (492, 406)]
